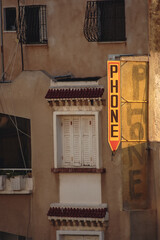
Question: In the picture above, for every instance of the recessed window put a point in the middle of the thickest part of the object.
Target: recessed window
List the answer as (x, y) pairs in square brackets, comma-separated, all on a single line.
[(76, 141), (105, 21), (15, 142), (10, 19), (79, 235), (33, 26), (7, 236)]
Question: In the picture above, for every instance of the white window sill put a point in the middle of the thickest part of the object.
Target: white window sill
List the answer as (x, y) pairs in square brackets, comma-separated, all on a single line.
[(35, 45), (9, 31), (113, 42)]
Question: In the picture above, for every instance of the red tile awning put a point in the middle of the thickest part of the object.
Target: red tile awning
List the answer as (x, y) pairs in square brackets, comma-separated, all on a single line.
[(81, 213), (75, 93)]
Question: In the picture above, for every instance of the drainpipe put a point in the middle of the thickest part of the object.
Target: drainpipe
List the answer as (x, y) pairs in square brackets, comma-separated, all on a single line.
[(2, 55)]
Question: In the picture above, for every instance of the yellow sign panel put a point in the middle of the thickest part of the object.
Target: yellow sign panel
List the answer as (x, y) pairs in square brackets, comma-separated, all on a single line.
[(114, 126)]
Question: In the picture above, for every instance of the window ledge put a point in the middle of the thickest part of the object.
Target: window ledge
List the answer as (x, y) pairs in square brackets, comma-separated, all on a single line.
[(10, 192), (113, 42), (9, 31), (78, 170), (35, 45)]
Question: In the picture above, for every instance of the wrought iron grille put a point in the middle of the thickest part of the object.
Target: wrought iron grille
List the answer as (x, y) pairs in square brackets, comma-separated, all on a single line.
[(105, 21), (32, 24)]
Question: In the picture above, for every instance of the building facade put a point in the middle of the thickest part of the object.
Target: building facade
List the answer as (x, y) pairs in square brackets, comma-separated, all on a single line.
[(59, 177)]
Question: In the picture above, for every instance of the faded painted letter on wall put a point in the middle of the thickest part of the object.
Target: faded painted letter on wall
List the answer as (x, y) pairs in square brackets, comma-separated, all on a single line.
[(134, 80)]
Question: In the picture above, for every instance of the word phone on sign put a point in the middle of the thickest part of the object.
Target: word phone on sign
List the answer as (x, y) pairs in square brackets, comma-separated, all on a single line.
[(114, 125)]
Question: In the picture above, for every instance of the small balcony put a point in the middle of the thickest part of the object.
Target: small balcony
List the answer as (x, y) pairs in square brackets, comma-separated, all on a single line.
[(16, 181)]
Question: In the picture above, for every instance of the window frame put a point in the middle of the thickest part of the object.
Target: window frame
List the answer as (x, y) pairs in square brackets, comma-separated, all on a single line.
[(61, 233), (95, 20), (5, 18), (14, 132), (42, 25), (56, 115)]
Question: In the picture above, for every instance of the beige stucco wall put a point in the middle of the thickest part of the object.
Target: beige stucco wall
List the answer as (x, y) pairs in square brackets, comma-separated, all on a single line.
[(25, 98), (67, 52)]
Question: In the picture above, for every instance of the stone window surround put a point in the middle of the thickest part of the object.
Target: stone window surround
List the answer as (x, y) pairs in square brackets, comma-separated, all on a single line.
[(60, 233), (75, 113)]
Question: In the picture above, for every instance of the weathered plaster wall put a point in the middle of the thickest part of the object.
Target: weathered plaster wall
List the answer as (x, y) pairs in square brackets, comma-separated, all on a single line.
[(68, 51), (15, 212), (154, 99), (25, 98), (154, 86)]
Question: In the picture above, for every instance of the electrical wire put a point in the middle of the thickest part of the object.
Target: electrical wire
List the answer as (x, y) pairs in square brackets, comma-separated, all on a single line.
[(20, 143), (19, 139), (15, 123), (13, 55), (10, 58), (18, 128), (12, 68)]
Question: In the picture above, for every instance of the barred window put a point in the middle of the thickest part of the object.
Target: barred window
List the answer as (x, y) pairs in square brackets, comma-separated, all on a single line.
[(105, 21), (32, 24)]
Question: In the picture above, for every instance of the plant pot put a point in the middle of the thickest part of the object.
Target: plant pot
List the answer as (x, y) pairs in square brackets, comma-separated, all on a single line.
[(29, 183), (2, 182), (17, 183)]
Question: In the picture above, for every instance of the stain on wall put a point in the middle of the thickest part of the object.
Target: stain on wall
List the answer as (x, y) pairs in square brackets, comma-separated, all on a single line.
[(154, 16)]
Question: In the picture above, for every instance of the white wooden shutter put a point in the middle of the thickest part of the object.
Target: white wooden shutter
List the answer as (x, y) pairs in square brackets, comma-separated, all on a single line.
[(67, 140), (86, 140), (72, 237), (79, 141), (80, 237), (94, 142), (91, 238), (89, 146), (76, 141)]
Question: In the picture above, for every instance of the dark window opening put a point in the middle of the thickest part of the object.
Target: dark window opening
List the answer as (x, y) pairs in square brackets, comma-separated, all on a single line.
[(105, 21), (10, 19), (6, 236), (15, 142), (33, 25)]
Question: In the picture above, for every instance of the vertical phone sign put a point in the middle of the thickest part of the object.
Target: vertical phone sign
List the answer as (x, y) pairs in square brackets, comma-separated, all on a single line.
[(114, 98)]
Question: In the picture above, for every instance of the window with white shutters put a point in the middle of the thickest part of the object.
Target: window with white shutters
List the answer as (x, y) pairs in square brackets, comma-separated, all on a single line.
[(80, 237), (79, 147)]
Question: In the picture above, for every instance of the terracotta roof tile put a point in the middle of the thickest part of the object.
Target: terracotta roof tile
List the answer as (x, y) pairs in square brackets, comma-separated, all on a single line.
[(77, 212), (87, 92)]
